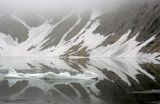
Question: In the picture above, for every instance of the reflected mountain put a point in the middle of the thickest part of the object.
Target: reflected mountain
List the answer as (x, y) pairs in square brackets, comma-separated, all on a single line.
[(121, 81)]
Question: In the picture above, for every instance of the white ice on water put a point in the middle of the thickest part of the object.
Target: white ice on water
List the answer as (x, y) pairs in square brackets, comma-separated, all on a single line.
[(12, 74)]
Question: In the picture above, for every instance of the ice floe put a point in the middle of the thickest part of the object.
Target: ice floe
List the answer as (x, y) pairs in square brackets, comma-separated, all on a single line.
[(12, 74)]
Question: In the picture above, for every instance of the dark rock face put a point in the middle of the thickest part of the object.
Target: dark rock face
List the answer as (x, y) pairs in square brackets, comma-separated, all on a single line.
[(59, 31), (14, 28), (85, 18), (141, 17)]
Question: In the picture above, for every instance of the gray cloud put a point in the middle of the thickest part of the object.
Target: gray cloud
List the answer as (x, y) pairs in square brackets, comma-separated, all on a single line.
[(44, 5), (57, 5)]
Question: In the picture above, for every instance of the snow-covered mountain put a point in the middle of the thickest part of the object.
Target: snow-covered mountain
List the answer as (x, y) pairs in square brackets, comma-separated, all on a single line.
[(132, 29)]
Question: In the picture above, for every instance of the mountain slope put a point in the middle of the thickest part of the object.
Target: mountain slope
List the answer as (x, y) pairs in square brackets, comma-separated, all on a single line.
[(130, 30)]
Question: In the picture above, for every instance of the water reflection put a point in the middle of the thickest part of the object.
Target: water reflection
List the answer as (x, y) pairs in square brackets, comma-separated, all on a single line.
[(121, 81)]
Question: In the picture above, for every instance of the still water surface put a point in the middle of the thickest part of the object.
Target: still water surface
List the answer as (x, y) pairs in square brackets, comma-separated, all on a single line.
[(121, 81)]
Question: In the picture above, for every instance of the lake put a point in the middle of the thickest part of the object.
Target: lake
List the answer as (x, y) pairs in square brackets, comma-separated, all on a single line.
[(120, 81)]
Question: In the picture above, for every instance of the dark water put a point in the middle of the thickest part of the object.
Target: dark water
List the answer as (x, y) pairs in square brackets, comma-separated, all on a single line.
[(121, 81)]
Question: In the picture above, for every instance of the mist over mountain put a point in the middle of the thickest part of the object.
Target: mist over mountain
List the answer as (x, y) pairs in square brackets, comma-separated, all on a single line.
[(80, 28), (79, 51)]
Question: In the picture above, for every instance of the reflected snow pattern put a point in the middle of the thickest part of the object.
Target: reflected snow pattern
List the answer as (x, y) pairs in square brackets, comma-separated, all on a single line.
[(121, 81)]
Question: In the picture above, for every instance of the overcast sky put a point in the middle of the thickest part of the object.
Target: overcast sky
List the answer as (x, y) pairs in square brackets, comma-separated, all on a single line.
[(51, 4), (55, 5)]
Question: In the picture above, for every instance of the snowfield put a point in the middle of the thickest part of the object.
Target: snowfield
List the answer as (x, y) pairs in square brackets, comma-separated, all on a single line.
[(85, 39)]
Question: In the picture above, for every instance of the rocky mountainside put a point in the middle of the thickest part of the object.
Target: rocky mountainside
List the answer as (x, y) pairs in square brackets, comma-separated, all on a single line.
[(132, 29)]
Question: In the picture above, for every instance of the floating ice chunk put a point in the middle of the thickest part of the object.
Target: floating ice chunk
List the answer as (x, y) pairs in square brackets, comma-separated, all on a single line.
[(12, 74)]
